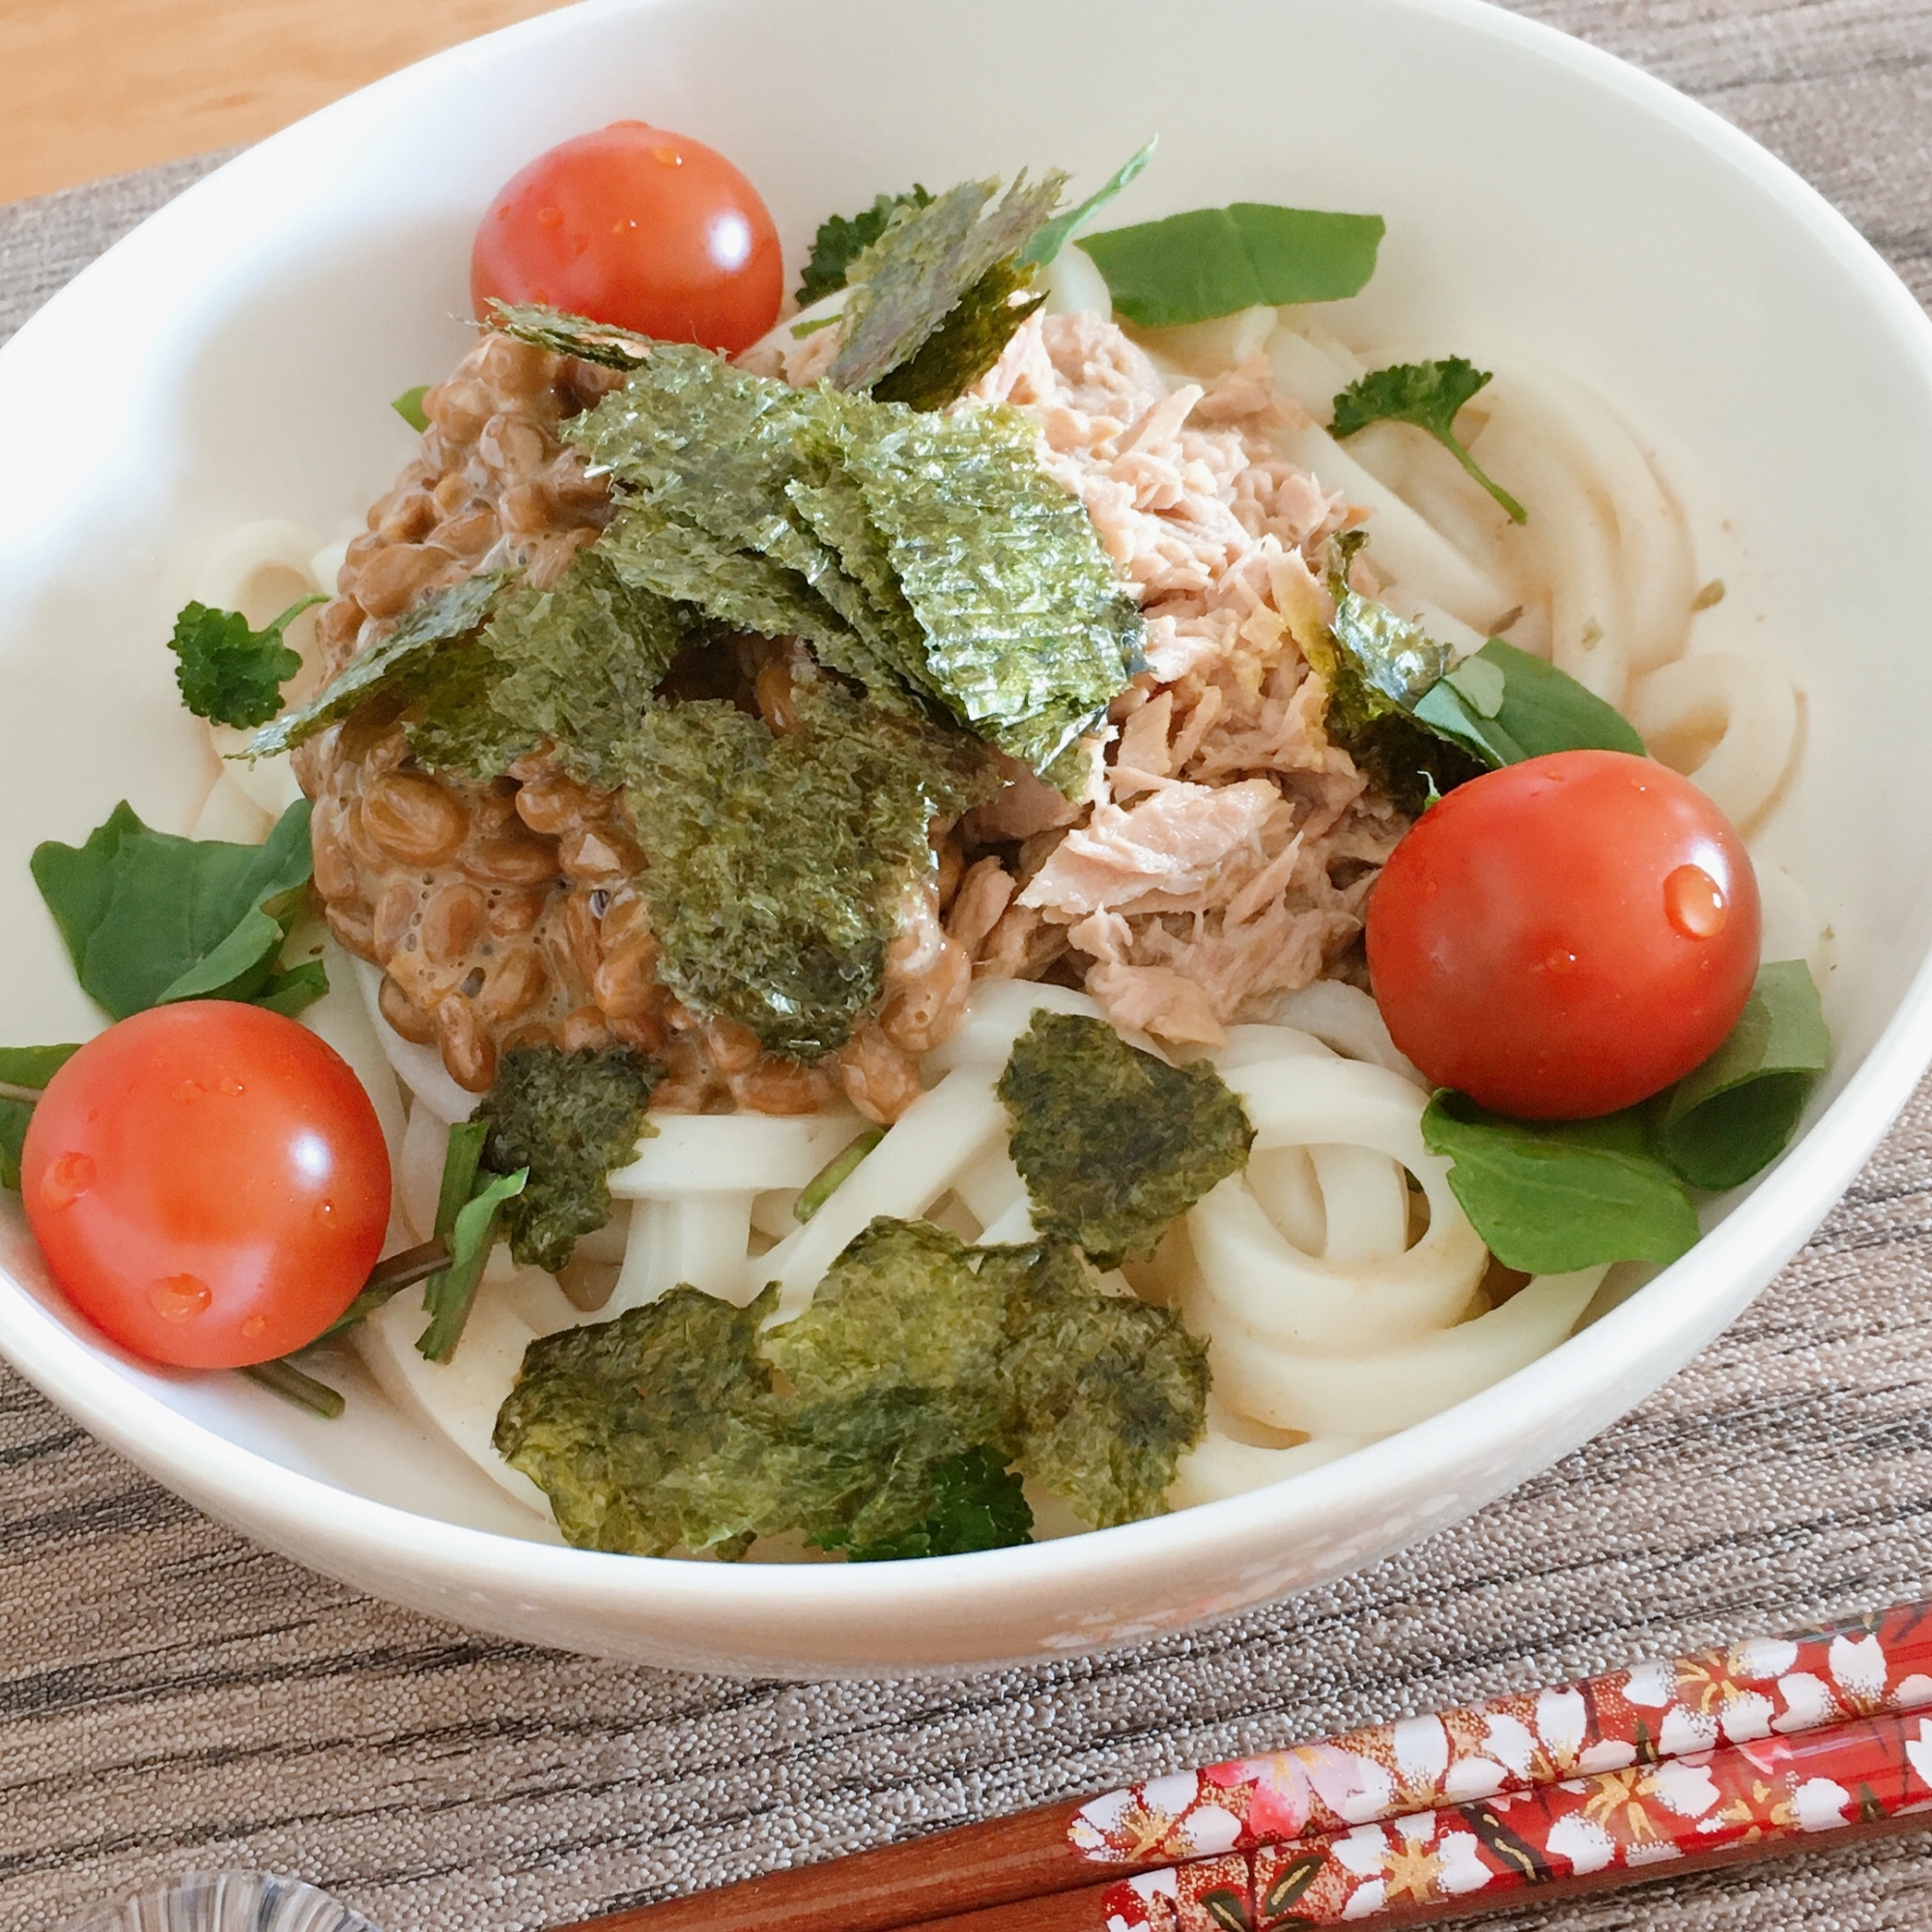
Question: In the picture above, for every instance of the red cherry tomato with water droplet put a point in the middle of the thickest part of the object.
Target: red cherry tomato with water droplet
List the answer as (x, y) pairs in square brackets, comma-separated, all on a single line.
[(208, 1183), (1566, 936), (639, 227)]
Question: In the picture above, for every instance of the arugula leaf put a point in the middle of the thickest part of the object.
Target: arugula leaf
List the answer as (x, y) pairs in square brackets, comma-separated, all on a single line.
[(149, 917), (228, 673), (452, 615), (23, 1071), (926, 259), (1062, 229), (1505, 705), (776, 864), (1109, 1392), (1428, 395), (1216, 261), (410, 407), (1113, 1143), (447, 1298), (1550, 1197), (841, 239), (978, 1503), (570, 1120), (566, 335), (966, 344), (1736, 1113), (1376, 667)]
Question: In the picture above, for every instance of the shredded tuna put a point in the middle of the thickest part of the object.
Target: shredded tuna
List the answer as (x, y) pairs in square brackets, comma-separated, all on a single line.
[(1230, 857)]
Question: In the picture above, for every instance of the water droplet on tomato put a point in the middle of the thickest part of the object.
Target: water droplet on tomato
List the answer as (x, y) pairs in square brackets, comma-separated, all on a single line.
[(189, 1091), (180, 1297), (549, 217), (256, 1324), (1559, 960), (325, 1209), (666, 156), (67, 1177), (233, 1088), (1694, 904)]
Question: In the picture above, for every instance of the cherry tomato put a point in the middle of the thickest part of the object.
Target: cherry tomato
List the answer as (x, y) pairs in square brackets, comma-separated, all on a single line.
[(639, 227), (1566, 936), (208, 1183)]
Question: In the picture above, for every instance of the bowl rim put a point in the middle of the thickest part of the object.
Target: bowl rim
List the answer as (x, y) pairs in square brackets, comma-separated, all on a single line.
[(240, 1484)]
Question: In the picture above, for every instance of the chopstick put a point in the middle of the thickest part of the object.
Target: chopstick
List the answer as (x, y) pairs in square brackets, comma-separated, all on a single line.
[(1733, 1806), (1620, 1723)]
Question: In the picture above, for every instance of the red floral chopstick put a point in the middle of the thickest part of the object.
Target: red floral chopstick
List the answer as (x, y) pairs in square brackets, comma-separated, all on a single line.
[(1740, 1802)]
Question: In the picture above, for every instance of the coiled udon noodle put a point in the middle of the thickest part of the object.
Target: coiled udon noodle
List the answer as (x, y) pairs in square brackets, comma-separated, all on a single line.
[(1337, 1281)]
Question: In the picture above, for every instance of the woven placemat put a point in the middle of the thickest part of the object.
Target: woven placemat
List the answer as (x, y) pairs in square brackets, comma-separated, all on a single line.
[(171, 1697)]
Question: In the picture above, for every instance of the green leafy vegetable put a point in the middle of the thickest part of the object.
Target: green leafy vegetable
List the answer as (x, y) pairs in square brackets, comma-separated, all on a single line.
[(228, 673), (571, 1118), (23, 1071), (776, 864), (1216, 261), (283, 1378), (926, 259), (1550, 1197), (1428, 395), (833, 1176), (921, 1373), (447, 1298), (1113, 1143), (451, 615), (565, 334), (978, 1503), (841, 239), (1062, 229), (1108, 1392), (410, 407), (1504, 705), (1736, 1113), (1378, 667), (387, 1279), (149, 917), (293, 991)]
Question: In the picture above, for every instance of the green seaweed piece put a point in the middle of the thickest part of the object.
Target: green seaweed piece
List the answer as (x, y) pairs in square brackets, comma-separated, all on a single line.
[(926, 259), (776, 864), (451, 615), (1108, 1392), (978, 1503), (967, 343), (566, 335), (1113, 1144), (571, 1118)]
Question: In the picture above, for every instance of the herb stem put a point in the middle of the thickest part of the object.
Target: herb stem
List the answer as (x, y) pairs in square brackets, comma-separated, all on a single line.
[(833, 1174), (1514, 511), (402, 1270), (27, 1097), (288, 1382)]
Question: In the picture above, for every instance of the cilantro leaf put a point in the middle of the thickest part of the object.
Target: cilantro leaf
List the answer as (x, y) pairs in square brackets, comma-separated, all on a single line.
[(1428, 395), (1378, 667), (926, 259), (1109, 1392), (149, 917), (1550, 1197), (841, 239), (23, 1071), (564, 334), (978, 1503), (1216, 261), (776, 864), (1113, 1143), (448, 617), (1062, 228), (229, 673), (570, 1118), (1504, 705), (410, 407), (1736, 1113)]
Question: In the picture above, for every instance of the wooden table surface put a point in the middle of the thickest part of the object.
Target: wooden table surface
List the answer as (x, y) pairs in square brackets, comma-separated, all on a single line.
[(98, 87)]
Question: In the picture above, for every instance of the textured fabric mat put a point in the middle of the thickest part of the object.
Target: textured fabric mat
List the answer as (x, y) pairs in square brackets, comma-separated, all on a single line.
[(171, 1697)]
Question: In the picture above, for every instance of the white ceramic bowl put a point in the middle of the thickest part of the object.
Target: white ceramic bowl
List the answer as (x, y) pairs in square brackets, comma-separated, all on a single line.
[(232, 361)]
